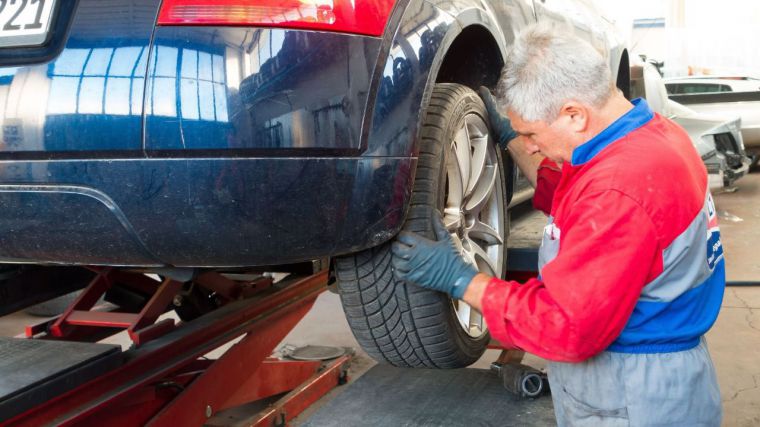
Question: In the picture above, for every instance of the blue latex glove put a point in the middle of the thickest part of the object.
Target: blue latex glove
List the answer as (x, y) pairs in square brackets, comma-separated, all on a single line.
[(500, 124), (432, 264)]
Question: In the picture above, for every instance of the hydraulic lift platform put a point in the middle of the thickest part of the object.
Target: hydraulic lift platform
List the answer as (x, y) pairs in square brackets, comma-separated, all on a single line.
[(60, 375)]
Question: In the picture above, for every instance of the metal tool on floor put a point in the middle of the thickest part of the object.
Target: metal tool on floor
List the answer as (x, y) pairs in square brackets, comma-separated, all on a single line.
[(521, 380)]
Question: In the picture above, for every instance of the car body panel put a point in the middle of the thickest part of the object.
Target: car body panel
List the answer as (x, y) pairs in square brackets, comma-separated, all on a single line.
[(411, 63), (696, 125), (257, 91), (579, 17), (749, 111), (89, 97), (222, 146), (586, 21), (721, 138), (197, 212), (403, 78)]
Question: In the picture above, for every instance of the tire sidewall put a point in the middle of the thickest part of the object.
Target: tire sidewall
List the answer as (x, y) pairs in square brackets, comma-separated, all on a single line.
[(470, 103), (398, 322)]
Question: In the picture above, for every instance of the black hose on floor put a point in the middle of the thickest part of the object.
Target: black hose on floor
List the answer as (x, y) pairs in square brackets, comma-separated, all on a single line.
[(743, 283)]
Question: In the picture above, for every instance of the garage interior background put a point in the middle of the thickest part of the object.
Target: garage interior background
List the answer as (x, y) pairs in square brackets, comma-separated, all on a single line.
[(703, 36), (691, 37)]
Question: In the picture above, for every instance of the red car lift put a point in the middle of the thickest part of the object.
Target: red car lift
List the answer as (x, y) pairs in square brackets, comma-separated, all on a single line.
[(163, 379)]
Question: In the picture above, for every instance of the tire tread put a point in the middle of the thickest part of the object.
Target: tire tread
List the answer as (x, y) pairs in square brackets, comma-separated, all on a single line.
[(395, 322)]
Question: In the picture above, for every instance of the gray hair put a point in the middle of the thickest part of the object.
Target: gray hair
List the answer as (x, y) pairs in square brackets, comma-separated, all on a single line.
[(546, 68)]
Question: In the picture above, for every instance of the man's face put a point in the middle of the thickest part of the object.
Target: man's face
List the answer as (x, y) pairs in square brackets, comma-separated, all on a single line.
[(554, 140)]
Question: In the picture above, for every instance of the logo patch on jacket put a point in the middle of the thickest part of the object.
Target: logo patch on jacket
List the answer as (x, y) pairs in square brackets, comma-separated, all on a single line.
[(714, 245)]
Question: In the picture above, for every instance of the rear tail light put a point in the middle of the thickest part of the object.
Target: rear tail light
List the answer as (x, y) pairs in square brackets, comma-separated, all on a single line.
[(349, 16)]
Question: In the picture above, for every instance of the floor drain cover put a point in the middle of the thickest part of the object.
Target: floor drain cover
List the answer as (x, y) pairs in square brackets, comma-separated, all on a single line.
[(316, 352)]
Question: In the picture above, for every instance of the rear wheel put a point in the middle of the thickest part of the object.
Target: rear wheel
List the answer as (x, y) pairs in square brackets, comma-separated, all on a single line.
[(459, 173)]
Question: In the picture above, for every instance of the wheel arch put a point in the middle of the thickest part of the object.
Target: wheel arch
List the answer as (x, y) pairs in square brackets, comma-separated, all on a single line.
[(623, 79), (435, 42), (473, 34), (475, 47), (427, 60)]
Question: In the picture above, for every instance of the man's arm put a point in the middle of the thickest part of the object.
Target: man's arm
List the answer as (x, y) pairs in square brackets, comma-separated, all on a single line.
[(527, 162), (473, 295), (586, 294), (506, 137), (543, 174)]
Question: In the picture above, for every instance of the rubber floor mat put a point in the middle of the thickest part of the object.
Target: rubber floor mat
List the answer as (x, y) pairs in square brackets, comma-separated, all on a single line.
[(33, 371), (388, 396)]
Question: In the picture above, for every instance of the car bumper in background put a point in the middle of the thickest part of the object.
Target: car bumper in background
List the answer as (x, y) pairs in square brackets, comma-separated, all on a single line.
[(734, 174), (715, 180), (720, 176)]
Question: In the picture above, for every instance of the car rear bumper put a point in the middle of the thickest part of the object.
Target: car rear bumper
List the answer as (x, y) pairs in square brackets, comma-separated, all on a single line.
[(719, 175), (248, 151), (715, 180), (226, 212), (734, 174)]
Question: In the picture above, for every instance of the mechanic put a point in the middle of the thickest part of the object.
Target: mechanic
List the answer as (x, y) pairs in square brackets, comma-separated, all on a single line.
[(621, 305)]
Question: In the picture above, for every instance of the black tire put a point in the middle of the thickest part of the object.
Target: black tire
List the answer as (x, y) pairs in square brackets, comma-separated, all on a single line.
[(403, 324)]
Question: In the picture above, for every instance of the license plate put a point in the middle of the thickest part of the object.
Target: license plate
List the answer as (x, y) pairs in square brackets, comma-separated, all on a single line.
[(25, 22)]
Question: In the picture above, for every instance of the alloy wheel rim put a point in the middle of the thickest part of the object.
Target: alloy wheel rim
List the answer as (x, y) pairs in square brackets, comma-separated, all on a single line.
[(474, 208)]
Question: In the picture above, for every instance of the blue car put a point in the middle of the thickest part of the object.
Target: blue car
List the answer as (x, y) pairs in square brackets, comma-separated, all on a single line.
[(234, 135)]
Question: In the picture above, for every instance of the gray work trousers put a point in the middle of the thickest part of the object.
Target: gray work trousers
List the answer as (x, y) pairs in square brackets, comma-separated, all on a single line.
[(622, 389)]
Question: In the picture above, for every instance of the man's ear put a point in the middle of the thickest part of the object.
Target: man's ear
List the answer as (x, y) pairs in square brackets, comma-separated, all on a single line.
[(575, 116)]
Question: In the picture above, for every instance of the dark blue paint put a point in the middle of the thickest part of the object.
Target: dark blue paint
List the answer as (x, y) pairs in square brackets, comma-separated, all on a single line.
[(259, 89), (216, 146), (197, 212), (89, 97), (403, 79)]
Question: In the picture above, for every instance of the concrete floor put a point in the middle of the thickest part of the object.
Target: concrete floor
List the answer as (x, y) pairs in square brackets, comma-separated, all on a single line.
[(734, 340)]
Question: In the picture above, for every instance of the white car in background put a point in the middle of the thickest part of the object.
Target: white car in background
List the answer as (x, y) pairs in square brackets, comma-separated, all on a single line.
[(729, 96), (710, 84), (728, 161), (717, 138)]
